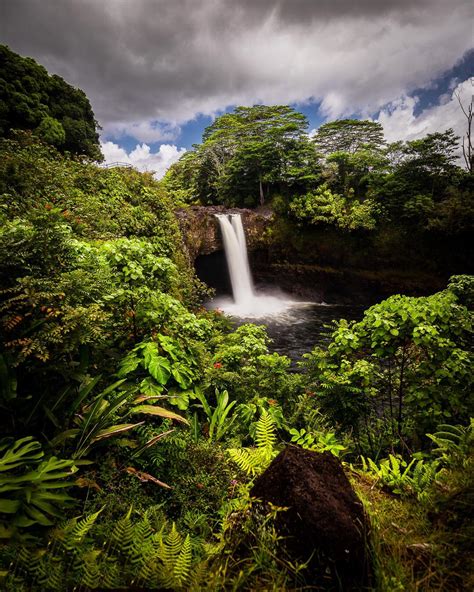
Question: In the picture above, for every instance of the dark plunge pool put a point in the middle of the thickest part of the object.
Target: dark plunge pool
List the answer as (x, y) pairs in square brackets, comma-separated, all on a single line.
[(297, 330), (294, 327)]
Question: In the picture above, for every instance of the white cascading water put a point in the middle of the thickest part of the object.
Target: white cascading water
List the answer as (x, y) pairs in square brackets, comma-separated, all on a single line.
[(246, 302), (235, 248)]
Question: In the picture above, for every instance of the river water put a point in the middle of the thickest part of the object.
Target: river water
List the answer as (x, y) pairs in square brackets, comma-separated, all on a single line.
[(294, 327), (298, 327)]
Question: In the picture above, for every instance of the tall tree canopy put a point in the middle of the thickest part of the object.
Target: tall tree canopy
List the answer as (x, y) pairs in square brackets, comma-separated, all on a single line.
[(349, 135), (55, 111), (249, 154)]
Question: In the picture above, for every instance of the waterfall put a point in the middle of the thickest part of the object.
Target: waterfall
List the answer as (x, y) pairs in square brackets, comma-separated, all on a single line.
[(247, 303), (235, 248)]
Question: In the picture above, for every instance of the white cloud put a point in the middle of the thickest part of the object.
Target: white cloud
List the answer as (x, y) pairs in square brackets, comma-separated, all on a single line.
[(142, 158), (143, 131), (400, 122), (168, 61)]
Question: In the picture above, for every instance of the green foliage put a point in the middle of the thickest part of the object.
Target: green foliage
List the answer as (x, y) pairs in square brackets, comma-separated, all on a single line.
[(90, 265), (58, 113), (255, 460), (402, 477), (349, 135), (219, 418), (319, 442), (463, 287), (144, 552), (246, 156), (97, 419), (454, 444), (51, 131), (165, 365), (243, 366), (322, 207), (406, 361), (29, 486)]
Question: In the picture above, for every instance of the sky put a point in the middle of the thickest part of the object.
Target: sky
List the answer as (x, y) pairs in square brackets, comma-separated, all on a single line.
[(158, 71)]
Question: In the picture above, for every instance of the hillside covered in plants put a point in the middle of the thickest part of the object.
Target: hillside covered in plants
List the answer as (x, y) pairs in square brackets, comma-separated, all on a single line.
[(140, 431)]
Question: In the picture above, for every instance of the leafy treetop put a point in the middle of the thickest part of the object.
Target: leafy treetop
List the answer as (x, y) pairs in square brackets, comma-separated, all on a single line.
[(349, 135), (56, 112)]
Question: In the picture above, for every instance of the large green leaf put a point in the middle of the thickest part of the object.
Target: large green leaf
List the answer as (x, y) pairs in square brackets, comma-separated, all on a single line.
[(9, 506), (182, 375), (115, 429), (22, 451), (159, 367), (158, 411)]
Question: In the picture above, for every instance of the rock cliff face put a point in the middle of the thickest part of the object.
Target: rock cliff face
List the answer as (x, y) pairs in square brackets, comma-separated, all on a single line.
[(201, 233)]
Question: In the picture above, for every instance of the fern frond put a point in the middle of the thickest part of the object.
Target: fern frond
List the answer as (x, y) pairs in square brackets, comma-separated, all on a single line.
[(265, 431), (55, 575), (245, 459), (91, 573), (182, 565), (252, 460), (171, 548), (122, 534), (76, 531), (111, 573), (141, 546), (148, 573)]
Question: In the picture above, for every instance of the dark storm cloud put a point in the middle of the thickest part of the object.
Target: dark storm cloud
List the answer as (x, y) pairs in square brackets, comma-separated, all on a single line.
[(167, 60)]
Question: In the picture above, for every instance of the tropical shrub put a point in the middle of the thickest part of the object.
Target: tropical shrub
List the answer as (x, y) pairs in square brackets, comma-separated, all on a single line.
[(322, 207), (30, 486), (407, 362)]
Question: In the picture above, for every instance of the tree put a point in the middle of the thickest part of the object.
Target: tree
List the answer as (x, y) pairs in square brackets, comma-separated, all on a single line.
[(349, 135), (421, 176), (254, 151), (433, 156), (351, 150), (51, 131), (399, 372), (55, 111), (467, 145)]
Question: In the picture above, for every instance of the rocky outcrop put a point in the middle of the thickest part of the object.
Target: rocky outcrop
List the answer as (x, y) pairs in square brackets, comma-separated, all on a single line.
[(324, 521), (342, 285), (200, 228)]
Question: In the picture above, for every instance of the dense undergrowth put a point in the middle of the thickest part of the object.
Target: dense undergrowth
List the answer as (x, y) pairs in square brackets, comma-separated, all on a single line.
[(134, 421)]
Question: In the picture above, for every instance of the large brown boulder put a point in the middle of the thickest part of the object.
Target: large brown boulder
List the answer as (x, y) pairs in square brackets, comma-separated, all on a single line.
[(325, 518)]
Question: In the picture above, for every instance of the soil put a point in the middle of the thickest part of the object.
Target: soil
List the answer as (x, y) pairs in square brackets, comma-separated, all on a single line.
[(325, 519)]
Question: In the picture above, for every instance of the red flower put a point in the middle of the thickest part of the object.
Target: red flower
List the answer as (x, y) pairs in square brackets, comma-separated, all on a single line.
[(48, 206), (217, 365)]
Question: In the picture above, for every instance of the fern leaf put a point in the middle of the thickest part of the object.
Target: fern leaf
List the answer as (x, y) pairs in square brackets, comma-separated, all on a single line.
[(172, 547), (141, 547), (265, 435), (110, 573), (55, 575), (92, 577), (244, 459), (122, 534), (75, 531), (182, 565)]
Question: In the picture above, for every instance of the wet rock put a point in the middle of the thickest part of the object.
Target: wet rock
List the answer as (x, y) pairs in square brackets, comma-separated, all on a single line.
[(325, 519), (200, 228)]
